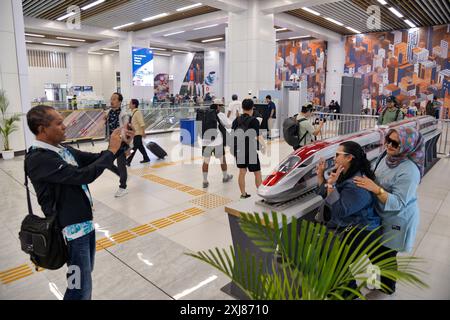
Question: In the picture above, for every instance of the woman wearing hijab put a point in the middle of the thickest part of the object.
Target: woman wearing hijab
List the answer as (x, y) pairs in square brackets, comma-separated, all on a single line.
[(398, 174)]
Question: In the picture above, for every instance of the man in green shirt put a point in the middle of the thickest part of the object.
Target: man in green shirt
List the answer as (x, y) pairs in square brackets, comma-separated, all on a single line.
[(391, 113), (306, 128)]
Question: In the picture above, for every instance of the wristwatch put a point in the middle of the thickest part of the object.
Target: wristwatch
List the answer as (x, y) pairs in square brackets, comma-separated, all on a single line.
[(380, 191)]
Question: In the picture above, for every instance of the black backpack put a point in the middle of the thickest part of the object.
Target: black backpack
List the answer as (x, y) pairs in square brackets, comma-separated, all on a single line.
[(208, 118), (291, 131), (42, 238), (243, 123)]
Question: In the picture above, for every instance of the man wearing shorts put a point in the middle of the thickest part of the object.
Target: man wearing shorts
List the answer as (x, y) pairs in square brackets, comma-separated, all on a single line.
[(246, 144), (214, 144)]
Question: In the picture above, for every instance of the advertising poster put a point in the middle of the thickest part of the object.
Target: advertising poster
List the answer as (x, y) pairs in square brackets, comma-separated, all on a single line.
[(161, 85), (193, 83), (142, 67), (211, 72)]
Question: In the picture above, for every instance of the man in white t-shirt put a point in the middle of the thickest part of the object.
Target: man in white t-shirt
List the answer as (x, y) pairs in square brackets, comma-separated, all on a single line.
[(234, 108), (214, 144)]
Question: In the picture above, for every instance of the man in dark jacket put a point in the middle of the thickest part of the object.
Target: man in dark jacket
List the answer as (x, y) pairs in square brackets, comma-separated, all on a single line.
[(50, 165)]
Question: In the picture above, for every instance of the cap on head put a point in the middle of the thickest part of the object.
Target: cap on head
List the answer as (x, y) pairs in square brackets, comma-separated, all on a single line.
[(219, 102)]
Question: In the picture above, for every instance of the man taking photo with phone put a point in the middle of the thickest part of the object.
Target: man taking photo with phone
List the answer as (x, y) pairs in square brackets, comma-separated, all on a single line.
[(52, 167)]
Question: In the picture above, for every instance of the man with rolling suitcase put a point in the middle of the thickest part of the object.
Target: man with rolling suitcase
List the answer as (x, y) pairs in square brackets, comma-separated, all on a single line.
[(138, 124)]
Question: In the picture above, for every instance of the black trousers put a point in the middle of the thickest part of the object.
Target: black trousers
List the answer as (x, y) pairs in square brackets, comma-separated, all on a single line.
[(121, 170), (388, 282), (138, 145)]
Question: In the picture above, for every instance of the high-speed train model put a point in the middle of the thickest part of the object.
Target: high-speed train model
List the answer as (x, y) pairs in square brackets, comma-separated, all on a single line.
[(296, 175)]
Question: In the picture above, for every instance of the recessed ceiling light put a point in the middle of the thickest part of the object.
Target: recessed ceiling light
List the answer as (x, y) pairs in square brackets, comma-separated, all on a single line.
[(109, 49), (34, 35), (311, 11), (383, 2), (162, 54), (97, 53), (56, 44), (160, 49), (280, 29), (409, 23), (210, 26), (123, 25), (354, 30), (66, 16), (212, 39), (161, 15), (71, 39), (396, 12), (180, 51), (334, 21), (93, 4), (189, 7), (299, 37), (171, 34)]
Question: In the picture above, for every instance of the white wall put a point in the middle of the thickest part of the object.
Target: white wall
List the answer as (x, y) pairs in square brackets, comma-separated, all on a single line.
[(335, 71), (110, 65), (13, 70), (88, 70)]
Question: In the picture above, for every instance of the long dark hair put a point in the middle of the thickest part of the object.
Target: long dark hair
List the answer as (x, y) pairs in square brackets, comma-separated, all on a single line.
[(359, 161)]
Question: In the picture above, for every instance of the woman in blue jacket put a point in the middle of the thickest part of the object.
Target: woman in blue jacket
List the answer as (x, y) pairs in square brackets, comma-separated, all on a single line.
[(346, 204), (398, 175)]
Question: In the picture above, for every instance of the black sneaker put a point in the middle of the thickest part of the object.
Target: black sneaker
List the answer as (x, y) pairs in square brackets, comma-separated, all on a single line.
[(145, 161), (245, 196)]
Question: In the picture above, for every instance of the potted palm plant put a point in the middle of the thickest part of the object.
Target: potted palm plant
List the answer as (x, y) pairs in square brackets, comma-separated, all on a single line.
[(311, 264), (7, 126)]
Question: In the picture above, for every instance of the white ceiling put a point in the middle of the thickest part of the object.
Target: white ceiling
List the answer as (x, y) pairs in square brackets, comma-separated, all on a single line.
[(135, 11)]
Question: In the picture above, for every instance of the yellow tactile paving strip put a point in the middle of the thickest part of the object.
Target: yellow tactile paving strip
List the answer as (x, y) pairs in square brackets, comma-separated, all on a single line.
[(28, 269), (147, 170), (173, 185), (17, 273), (210, 201)]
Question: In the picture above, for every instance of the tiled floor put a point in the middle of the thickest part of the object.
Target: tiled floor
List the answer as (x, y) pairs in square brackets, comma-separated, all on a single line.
[(154, 265)]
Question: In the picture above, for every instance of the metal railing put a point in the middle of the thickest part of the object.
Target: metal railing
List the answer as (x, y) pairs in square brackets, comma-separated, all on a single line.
[(339, 124), (336, 124)]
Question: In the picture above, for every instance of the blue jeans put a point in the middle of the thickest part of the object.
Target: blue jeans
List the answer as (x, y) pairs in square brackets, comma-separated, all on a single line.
[(81, 264)]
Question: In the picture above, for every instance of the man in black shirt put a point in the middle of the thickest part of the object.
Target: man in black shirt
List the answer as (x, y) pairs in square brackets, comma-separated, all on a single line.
[(272, 114), (51, 165), (112, 123), (247, 140)]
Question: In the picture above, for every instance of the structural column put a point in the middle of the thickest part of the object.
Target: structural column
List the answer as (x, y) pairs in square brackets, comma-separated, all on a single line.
[(250, 52), (126, 69), (14, 69), (335, 71)]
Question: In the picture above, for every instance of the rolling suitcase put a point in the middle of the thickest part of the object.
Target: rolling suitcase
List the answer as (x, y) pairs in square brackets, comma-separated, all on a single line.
[(156, 150)]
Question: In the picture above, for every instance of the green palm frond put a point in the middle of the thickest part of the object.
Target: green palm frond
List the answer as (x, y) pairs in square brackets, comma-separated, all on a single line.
[(7, 124), (310, 262)]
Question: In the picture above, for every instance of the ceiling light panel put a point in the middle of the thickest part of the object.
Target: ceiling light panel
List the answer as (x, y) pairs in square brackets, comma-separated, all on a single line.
[(189, 7), (158, 16)]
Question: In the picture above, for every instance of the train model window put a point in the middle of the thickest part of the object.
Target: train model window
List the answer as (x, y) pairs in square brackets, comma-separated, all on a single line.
[(289, 163)]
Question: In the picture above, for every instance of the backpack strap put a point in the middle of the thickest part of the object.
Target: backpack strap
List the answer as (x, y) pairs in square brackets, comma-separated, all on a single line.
[(30, 208), (396, 114), (379, 160), (306, 133)]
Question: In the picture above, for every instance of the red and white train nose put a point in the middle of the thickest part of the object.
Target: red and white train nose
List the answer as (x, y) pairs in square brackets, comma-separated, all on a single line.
[(296, 175)]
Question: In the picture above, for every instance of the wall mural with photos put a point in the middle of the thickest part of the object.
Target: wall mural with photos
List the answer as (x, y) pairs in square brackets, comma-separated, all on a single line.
[(303, 60), (411, 64)]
